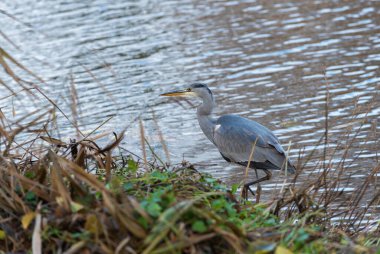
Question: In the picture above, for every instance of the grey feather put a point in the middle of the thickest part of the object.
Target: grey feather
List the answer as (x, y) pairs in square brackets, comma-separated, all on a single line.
[(235, 136)]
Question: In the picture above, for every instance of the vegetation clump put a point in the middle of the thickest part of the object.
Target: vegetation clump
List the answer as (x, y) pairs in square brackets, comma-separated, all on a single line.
[(53, 204)]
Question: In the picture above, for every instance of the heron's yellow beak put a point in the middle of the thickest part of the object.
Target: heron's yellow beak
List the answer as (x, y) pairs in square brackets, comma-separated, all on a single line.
[(180, 93)]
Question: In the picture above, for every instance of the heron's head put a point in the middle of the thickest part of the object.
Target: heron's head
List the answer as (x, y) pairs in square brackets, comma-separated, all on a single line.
[(194, 90)]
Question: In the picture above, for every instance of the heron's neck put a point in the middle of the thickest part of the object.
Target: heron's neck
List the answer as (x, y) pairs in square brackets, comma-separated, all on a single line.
[(207, 106), (206, 122)]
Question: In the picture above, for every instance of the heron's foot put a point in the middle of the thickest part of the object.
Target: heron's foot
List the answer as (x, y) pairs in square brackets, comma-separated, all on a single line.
[(244, 192)]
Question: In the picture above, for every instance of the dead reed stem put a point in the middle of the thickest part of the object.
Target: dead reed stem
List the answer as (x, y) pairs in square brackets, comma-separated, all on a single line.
[(142, 141)]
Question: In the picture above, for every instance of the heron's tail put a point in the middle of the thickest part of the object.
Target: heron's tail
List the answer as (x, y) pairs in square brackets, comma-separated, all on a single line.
[(290, 168)]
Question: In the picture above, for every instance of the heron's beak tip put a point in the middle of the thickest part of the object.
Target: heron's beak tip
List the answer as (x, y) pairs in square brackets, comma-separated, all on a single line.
[(170, 94), (178, 93)]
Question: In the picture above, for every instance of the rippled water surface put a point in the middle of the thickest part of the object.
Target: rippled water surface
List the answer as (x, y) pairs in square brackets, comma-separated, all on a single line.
[(270, 61)]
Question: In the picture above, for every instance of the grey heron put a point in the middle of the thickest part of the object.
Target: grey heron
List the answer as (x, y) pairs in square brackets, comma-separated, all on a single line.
[(238, 139)]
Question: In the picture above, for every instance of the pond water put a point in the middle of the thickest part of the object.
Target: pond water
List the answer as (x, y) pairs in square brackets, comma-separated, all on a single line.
[(270, 61)]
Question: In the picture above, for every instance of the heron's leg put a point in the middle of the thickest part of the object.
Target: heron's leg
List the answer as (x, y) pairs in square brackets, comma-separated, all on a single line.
[(247, 186)]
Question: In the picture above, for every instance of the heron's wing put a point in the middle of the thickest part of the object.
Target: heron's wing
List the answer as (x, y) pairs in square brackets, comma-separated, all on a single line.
[(235, 136)]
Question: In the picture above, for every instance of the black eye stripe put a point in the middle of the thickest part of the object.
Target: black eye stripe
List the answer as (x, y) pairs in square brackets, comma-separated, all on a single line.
[(198, 85)]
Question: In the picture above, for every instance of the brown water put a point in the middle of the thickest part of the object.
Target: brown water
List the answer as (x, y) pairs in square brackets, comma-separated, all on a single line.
[(270, 61)]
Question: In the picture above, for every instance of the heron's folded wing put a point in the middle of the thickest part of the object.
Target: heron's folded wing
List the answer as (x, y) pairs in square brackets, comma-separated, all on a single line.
[(235, 136)]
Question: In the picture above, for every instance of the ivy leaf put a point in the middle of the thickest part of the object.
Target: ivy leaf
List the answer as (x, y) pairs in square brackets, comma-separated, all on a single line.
[(234, 188), (128, 186), (159, 176), (199, 226), (154, 209), (218, 204), (132, 165), (210, 180)]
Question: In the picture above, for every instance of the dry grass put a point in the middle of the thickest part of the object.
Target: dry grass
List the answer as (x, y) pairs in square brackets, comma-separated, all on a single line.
[(49, 202)]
